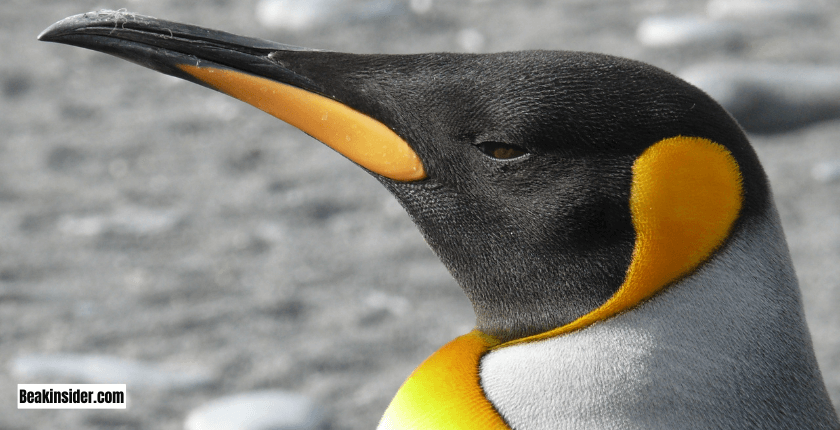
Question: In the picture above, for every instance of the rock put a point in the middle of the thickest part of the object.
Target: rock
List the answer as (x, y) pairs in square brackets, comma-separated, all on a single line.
[(771, 98), (762, 10), (290, 14), (393, 304), (65, 158), (16, 85), (826, 171), (677, 31), (127, 220), (298, 15), (470, 40), (103, 369), (261, 410), (421, 7)]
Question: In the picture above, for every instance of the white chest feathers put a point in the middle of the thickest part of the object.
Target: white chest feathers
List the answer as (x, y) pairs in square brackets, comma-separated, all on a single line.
[(726, 347)]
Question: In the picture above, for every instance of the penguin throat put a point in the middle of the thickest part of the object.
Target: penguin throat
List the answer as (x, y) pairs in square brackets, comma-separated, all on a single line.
[(445, 391)]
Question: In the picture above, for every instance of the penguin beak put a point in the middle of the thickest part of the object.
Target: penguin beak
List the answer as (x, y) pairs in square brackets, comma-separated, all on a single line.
[(250, 70)]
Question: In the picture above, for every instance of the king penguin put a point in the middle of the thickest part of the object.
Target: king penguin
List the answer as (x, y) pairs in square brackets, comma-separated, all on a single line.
[(610, 224)]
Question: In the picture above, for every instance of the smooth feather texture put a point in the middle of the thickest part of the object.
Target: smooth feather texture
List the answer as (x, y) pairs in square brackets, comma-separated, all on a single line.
[(725, 348)]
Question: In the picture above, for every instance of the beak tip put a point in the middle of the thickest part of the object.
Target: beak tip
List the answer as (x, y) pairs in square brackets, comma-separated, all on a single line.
[(54, 32), (70, 24), (47, 35), (51, 33)]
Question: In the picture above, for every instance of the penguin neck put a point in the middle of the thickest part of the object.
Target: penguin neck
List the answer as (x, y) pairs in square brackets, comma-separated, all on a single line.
[(731, 338)]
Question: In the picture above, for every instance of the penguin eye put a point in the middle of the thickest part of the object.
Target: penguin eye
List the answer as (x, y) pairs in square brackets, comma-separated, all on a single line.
[(501, 151)]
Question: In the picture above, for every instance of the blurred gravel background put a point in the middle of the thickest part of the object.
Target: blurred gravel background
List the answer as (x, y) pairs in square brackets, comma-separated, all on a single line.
[(203, 249)]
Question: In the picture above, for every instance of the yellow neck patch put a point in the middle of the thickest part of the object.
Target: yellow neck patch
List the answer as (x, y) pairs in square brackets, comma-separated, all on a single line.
[(685, 196), (362, 139), (445, 391)]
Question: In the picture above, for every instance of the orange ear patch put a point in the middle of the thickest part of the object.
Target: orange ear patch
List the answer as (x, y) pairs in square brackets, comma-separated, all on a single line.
[(686, 194)]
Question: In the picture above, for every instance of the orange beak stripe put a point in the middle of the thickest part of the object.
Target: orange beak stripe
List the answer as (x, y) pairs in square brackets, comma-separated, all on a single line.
[(362, 139)]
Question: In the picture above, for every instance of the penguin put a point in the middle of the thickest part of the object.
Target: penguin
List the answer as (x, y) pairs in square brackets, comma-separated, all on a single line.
[(610, 224)]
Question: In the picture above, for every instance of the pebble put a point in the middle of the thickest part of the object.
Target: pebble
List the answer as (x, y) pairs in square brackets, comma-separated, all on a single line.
[(103, 369), (260, 410), (421, 7), (298, 15), (760, 10), (470, 40), (771, 98), (19, 84), (826, 171), (678, 31), (291, 15), (127, 220), (396, 305)]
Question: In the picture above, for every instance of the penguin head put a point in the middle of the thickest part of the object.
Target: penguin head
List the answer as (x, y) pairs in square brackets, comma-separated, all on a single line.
[(523, 166), (529, 160)]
